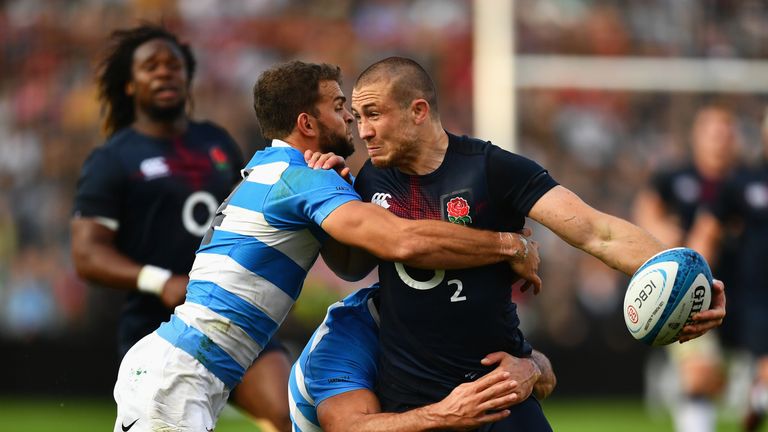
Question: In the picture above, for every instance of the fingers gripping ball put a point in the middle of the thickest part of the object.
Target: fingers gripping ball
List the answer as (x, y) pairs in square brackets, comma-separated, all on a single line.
[(664, 293)]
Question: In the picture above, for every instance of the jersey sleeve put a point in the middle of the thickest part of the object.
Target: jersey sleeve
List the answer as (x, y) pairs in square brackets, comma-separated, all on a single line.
[(516, 181), (315, 193), (99, 186), (338, 366)]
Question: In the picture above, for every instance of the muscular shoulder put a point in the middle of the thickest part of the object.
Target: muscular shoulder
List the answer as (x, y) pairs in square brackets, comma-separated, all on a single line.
[(468, 146)]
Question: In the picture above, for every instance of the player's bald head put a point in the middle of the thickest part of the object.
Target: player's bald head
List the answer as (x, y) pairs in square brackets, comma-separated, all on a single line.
[(406, 81)]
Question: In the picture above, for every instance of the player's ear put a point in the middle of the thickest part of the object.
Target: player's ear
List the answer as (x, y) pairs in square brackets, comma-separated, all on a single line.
[(130, 88), (306, 124), (420, 110)]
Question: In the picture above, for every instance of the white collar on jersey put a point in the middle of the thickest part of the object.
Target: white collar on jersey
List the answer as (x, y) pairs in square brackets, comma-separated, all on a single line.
[(280, 143)]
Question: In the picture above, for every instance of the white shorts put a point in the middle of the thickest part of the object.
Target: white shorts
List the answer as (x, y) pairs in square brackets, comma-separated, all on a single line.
[(161, 387)]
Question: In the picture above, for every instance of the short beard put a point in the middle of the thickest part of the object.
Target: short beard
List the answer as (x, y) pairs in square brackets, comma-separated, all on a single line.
[(336, 143), (165, 114)]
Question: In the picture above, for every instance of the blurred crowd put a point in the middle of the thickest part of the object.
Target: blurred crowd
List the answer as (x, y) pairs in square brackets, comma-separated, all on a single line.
[(601, 144)]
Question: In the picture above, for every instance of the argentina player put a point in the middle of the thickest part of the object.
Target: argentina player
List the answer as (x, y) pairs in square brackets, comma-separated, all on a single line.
[(252, 263)]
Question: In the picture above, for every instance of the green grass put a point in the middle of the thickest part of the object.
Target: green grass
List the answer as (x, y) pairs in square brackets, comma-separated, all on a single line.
[(566, 415)]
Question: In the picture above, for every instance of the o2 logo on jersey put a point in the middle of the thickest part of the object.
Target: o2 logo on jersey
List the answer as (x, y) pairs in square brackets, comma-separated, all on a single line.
[(194, 227), (436, 280)]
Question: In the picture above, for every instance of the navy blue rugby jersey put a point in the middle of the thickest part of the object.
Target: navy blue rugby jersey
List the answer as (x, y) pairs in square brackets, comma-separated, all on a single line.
[(684, 191), (161, 195), (437, 325)]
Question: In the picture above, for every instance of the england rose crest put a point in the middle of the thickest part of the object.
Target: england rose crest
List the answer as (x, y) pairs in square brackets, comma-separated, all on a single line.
[(458, 211)]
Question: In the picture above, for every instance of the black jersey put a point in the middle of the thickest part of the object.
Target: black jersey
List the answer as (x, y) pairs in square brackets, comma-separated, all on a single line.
[(684, 191), (437, 325), (743, 200), (161, 194)]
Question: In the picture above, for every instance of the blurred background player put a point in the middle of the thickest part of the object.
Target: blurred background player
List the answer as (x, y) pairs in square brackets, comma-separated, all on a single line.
[(667, 208), (147, 196), (743, 201)]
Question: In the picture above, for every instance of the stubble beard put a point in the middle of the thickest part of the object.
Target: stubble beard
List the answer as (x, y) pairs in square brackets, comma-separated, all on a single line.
[(330, 141)]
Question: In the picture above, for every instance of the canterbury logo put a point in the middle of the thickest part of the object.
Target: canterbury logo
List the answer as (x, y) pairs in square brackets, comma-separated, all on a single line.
[(380, 199)]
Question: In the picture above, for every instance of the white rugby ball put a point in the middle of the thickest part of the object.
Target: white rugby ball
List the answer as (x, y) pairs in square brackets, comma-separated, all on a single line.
[(664, 293)]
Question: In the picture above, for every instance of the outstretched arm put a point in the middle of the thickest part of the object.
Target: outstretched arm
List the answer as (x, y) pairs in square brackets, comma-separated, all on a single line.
[(618, 243), (614, 241)]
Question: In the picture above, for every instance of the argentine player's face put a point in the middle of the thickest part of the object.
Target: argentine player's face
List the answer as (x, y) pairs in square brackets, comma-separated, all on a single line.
[(159, 80), (334, 120)]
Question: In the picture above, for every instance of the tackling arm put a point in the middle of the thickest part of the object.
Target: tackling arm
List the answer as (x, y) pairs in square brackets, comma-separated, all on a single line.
[(422, 243), (466, 407)]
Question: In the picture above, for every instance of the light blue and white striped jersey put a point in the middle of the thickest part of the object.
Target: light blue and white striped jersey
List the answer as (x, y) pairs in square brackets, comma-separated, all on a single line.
[(251, 266), (341, 356)]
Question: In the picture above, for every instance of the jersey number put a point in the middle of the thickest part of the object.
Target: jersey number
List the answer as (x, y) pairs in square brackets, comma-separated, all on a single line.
[(436, 280), (187, 212), (456, 297)]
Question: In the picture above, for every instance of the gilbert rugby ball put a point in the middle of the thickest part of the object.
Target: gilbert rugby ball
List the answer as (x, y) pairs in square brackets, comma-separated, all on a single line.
[(664, 293)]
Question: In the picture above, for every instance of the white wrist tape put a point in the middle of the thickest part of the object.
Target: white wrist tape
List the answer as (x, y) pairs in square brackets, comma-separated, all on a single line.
[(152, 279)]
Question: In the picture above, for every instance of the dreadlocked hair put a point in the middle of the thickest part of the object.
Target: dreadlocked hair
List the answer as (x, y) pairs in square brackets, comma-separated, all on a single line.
[(115, 71)]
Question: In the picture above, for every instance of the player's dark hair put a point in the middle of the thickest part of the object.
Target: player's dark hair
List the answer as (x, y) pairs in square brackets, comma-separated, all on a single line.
[(407, 78), (115, 71), (285, 91)]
